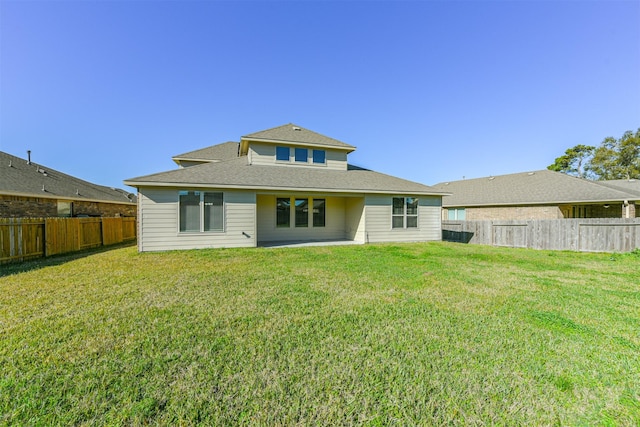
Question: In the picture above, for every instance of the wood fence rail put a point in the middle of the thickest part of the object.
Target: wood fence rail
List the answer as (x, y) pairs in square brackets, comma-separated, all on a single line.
[(27, 238), (585, 235)]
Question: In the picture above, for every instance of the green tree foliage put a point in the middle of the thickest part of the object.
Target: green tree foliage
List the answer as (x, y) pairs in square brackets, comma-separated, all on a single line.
[(612, 159), (571, 162), (617, 159)]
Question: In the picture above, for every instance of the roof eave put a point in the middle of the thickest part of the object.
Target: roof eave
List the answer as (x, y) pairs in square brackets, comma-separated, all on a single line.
[(347, 148), (139, 184), (68, 198), (562, 202)]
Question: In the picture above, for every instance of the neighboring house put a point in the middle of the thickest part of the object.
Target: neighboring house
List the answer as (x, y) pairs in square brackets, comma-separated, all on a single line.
[(32, 190), (282, 184), (542, 194)]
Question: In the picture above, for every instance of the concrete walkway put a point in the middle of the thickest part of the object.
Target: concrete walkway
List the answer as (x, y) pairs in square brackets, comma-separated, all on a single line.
[(303, 243)]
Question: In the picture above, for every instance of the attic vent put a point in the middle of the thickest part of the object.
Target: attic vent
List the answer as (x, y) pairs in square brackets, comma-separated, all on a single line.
[(491, 178), (296, 128), (531, 173)]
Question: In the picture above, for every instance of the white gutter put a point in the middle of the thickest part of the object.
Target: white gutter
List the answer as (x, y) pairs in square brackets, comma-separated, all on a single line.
[(289, 189)]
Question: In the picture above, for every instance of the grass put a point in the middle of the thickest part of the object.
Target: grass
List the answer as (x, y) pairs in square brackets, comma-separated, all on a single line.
[(411, 334)]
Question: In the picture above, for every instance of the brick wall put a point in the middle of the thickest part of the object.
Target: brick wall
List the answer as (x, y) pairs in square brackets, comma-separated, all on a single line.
[(27, 207), (513, 212), (34, 207), (544, 212)]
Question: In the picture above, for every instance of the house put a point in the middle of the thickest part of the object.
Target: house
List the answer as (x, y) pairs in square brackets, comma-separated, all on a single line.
[(28, 189), (542, 194), (279, 185)]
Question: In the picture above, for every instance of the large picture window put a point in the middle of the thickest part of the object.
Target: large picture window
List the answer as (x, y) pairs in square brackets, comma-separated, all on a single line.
[(404, 212), (283, 212), (201, 211)]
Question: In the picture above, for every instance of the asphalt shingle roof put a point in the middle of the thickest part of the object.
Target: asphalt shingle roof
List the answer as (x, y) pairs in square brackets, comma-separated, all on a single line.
[(238, 173), (292, 133), (538, 187), (21, 178), (632, 185), (219, 152)]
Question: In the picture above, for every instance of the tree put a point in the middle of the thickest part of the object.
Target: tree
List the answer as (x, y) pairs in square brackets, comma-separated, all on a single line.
[(572, 160), (612, 159), (617, 159)]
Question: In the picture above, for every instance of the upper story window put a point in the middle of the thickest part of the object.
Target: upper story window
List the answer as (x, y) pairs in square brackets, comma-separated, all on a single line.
[(405, 212), (319, 156), (301, 155), (282, 153)]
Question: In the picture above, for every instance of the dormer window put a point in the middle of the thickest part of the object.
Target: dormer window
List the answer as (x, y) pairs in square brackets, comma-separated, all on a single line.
[(282, 154), (319, 156), (301, 155)]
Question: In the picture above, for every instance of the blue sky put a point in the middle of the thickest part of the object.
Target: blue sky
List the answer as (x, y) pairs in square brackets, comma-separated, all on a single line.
[(429, 91)]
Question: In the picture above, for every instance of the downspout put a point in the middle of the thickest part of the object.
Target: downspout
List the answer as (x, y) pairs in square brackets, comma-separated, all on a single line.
[(626, 205)]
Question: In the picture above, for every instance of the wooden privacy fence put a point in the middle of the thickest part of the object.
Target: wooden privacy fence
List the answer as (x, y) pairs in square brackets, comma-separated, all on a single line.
[(586, 235), (26, 238)]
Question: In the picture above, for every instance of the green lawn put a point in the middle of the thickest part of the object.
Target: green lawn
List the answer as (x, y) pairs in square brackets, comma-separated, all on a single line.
[(404, 334)]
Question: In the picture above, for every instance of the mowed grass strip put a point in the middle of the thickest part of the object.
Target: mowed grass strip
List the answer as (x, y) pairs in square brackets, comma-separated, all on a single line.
[(396, 334)]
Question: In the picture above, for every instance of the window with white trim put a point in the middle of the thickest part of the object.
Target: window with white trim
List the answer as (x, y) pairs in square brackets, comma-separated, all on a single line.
[(201, 211), (283, 212), (456, 214), (319, 212), (404, 212), (301, 155), (319, 157), (302, 212), (282, 154)]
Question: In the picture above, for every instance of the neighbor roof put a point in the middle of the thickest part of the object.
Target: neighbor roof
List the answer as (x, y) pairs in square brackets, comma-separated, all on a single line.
[(238, 173), (632, 185), (18, 177), (218, 152), (538, 187), (294, 134)]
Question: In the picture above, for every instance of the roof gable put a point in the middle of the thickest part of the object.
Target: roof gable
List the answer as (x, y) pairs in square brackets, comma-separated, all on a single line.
[(19, 177), (213, 153), (537, 187), (294, 134)]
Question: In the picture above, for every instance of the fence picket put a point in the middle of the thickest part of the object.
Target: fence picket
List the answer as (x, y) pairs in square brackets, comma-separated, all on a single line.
[(587, 235), (26, 238)]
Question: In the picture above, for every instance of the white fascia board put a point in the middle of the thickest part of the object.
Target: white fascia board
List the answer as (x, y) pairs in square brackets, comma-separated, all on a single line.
[(67, 198), (302, 144), (265, 188), (551, 202)]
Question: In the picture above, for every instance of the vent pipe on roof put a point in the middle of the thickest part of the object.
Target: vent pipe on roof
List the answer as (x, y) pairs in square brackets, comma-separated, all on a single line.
[(28, 157)]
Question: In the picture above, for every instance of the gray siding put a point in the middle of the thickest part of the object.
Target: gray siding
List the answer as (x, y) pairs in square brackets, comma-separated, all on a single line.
[(378, 221), (158, 218), (355, 219), (265, 154)]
